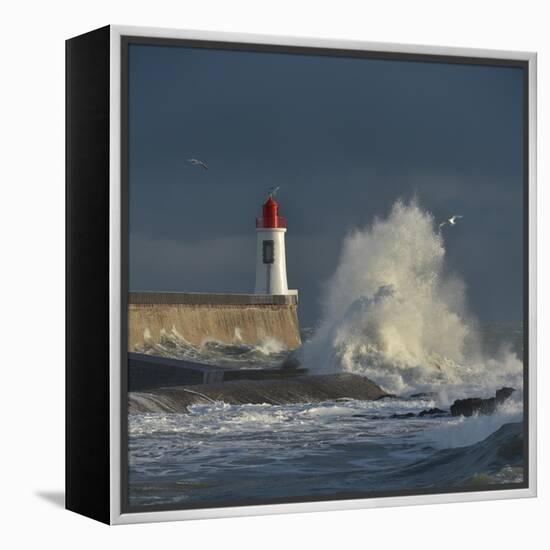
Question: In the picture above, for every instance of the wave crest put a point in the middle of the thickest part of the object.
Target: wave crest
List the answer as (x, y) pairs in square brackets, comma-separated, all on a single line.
[(393, 313), (268, 352)]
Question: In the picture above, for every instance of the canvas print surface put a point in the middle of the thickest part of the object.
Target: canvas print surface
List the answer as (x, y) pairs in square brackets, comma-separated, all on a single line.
[(326, 275)]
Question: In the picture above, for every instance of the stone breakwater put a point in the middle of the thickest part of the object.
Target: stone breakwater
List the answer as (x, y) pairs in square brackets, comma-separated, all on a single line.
[(226, 318), (305, 389)]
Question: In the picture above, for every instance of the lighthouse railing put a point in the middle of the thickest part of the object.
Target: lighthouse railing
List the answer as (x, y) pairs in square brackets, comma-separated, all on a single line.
[(276, 221)]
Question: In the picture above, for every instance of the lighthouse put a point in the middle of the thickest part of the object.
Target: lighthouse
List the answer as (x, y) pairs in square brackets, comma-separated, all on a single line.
[(270, 251)]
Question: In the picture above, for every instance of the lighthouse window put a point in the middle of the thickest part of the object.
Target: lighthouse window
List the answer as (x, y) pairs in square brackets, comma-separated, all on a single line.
[(268, 252)]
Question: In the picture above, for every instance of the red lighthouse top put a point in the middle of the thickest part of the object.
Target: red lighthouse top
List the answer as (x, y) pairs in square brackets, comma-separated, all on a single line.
[(270, 215)]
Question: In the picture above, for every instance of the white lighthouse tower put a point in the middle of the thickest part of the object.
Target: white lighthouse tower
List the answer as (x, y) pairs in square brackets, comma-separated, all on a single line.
[(270, 251)]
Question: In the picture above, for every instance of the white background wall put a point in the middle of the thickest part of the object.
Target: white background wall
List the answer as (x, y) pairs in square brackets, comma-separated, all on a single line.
[(32, 274)]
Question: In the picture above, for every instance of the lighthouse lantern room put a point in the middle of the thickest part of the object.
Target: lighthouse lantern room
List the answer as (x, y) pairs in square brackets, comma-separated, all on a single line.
[(270, 251)]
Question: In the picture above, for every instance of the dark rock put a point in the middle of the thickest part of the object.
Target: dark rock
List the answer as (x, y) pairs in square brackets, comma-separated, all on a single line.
[(477, 405), (403, 415), (388, 396), (429, 412), (503, 394), (473, 405)]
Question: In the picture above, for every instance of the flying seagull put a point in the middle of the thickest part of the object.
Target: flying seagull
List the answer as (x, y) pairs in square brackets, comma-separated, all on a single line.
[(273, 191), (197, 162), (451, 221)]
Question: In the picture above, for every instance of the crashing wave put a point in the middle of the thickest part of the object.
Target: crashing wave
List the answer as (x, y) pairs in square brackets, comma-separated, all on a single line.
[(393, 313)]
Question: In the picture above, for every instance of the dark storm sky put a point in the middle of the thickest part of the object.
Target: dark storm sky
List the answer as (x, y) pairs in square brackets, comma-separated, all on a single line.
[(344, 138)]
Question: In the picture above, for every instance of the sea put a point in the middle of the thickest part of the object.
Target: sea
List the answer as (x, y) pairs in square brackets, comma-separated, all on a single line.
[(223, 454), (392, 312)]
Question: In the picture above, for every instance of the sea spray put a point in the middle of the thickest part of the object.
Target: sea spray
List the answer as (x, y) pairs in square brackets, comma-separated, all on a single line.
[(393, 312), (268, 351)]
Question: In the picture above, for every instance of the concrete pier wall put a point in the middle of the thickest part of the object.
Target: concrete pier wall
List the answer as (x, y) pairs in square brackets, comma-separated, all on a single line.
[(146, 372), (199, 317)]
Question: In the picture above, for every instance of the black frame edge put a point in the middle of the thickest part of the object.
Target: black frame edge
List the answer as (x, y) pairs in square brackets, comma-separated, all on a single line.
[(87, 452)]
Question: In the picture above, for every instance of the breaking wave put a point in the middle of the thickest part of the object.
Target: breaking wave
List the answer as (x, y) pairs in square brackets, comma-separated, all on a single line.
[(219, 450), (268, 352), (393, 313)]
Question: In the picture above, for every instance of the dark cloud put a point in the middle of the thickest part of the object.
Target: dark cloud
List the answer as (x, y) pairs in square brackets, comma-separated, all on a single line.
[(344, 138)]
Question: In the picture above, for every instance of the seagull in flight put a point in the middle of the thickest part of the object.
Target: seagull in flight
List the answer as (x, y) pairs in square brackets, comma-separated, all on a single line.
[(451, 221), (197, 162), (273, 191)]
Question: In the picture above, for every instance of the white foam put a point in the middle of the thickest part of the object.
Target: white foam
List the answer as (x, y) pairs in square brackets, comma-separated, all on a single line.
[(462, 431), (269, 345), (394, 313), (267, 352)]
